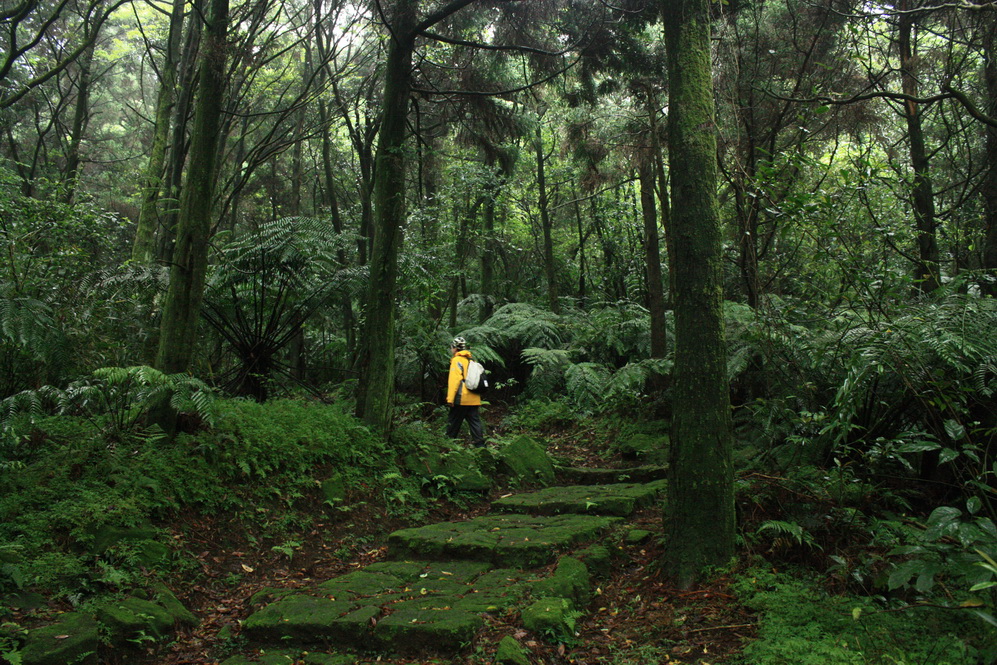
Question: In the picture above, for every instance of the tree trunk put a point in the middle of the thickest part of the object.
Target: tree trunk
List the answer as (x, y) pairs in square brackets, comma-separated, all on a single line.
[(553, 301), (81, 117), (926, 275), (182, 307), (989, 187), (699, 520), (144, 248), (652, 261), (178, 145), (378, 370)]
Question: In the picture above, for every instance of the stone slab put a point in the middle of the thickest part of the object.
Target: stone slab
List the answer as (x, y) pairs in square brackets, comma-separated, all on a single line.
[(517, 541), (620, 499), (590, 476)]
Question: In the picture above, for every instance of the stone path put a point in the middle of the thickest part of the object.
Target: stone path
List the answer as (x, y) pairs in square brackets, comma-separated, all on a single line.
[(442, 580)]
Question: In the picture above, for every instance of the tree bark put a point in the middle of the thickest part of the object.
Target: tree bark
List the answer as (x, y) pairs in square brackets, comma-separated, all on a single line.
[(699, 519), (81, 117), (926, 274), (989, 187), (144, 247), (378, 370), (553, 301), (182, 307), (652, 261)]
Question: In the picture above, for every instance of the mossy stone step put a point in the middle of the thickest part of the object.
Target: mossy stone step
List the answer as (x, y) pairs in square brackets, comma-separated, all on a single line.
[(621, 499), (394, 605), (590, 476), (515, 541)]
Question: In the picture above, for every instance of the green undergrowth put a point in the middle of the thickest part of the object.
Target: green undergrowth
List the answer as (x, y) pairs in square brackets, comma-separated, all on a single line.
[(801, 623), (83, 516)]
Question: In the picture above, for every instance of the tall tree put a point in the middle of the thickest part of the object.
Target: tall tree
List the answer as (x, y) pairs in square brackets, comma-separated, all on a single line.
[(699, 522), (182, 307), (143, 250)]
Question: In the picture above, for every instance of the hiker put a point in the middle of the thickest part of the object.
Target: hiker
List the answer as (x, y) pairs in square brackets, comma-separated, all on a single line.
[(463, 403)]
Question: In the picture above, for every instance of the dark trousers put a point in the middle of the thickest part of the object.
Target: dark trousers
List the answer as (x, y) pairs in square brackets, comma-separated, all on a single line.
[(457, 416)]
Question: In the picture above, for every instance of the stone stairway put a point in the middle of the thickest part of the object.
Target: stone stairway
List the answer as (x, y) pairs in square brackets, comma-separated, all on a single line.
[(531, 561)]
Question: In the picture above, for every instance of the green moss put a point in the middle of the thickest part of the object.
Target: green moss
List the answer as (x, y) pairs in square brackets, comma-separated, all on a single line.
[(131, 617), (510, 652), (526, 462), (301, 618), (550, 616), (570, 580), (802, 624), (620, 499), (72, 639)]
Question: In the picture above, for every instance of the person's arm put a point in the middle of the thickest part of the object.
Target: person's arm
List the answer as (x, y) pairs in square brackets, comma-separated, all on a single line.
[(453, 381)]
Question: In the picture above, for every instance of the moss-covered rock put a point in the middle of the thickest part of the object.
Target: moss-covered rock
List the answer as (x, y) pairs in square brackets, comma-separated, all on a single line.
[(422, 625), (304, 619), (161, 595), (520, 541), (133, 617), (570, 580), (651, 448), (553, 617), (334, 489), (568, 475), (636, 536), (72, 639), (284, 657), (510, 652), (620, 499), (526, 462), (597, 558)]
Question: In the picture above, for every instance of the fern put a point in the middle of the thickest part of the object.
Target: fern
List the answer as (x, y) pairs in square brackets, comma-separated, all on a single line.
[(116, 399), (546, 357), (527, 326), (586, 384)]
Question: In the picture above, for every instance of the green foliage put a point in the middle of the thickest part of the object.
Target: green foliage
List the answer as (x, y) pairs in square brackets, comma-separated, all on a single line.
[(51, 251), (77, 518), (802, 624), (118, 400), (264, 289)]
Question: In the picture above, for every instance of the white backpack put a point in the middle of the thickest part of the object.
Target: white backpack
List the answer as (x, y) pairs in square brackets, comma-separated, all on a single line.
[(476, 379)]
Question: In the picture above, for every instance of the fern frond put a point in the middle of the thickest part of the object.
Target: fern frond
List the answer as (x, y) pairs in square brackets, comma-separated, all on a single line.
[(587, 383), (546, 357)]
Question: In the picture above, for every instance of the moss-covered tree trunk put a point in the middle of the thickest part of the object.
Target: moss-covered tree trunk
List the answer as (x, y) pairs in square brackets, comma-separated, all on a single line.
[(926, 268), (144, 247), (182, 307), (652, 260), (699, 520), (989, 187), (378, 370), (550, 269)]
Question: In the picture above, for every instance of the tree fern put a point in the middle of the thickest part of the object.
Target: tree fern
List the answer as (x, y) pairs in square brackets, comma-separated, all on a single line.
[(527, 326), (116, 399), (586, 384)]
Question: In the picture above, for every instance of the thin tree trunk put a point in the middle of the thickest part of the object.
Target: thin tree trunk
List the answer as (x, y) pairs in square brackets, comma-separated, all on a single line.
[(81, 117), (553, 301), (989, 187), (926, 275), (178, 144), (699, 519), (652, 261), (144, 248)]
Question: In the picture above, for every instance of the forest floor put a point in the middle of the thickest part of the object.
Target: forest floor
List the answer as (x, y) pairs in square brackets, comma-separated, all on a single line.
[(636, 616)]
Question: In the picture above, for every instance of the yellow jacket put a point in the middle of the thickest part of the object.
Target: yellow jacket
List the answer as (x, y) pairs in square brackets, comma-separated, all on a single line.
[(455, 382)]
